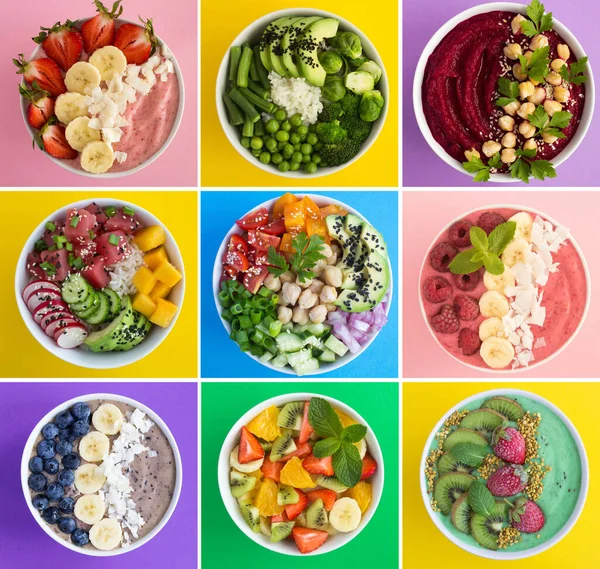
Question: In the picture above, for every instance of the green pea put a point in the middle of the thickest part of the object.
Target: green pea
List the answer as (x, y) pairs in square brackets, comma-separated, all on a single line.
[(282, 136), (276, 158), (272, 126), (302, 130), (281, 145), (280, 115), (246, 142), (256, 143), (284, 166), (316, 158), (303, 138), (266, 138), (312, 139), (294, 138), (295, 166), (265, 157), (296, 120), (318, 146), (297, 157), (311, 167), (297, 147), (271, 144), (312, 128), (306, 158), (288, 150), (306, 149), (256, 152), (286, 125)]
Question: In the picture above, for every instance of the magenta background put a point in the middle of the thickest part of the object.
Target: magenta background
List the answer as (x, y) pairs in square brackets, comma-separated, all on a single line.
[(175, 23), (421, 166), (23, 544), (426, 213)]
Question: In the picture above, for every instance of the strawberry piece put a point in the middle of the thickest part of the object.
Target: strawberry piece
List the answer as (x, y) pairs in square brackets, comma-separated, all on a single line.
[(279, 518), (294, 510), (306, 430), (369, 467), (45, 71), (250, 449), (509, 445), (271, 469), (507, 481), (316, 465), (52, 139), (41, 107), (62, 43), (328, 496), (301, 451), (136, 42), (526, 516), (308, 540), (100, 31)]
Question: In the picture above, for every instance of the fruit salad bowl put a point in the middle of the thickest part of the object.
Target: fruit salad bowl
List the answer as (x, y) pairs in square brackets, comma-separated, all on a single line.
[(287, 546)]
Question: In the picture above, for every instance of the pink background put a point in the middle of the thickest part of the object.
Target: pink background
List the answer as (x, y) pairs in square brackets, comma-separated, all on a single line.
[(426, 213), (176, 24)]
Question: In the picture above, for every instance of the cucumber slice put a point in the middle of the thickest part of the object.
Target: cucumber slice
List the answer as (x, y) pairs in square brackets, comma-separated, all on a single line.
[(90, 300), (115, 302), (102, 312), (92, 304), (75, 289)]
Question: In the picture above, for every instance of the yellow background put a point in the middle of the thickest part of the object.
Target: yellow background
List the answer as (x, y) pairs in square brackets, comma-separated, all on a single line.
[(23, 356), (424, 404), (222, 165)]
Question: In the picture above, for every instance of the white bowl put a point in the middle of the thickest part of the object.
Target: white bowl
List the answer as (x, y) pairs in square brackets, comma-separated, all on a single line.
[(561, 29), (252, 34), (535, 363), (49, 418), (80, 356), (218, 269), (109, 175), (507, 554), (288, 547)]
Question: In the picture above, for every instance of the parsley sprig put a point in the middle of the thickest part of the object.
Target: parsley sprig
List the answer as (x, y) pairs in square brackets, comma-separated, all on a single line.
[(538, 22), (549, 125), (523, 168), (510, 90), (538, 65), (308, 252), (482, 171), (574, 73)]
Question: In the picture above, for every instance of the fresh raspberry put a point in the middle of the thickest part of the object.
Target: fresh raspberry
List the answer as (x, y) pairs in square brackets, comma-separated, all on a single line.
[(459, 233), (441, 256), (526, 516), (445, 321), (437, 289), (509, 445), (466, 307), (468, 341), (507, 481), (467, 282), (489, 220)]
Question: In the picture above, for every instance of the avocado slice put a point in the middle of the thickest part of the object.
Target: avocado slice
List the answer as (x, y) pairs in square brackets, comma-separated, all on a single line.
[(105, 340), (288, 43), (276, 31), (373, 240), (133, 335), (336, 228), (307, 49)]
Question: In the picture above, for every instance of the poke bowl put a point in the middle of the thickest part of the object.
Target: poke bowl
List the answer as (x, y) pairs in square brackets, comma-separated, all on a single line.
[(302, 93), (101, 474), (102, 97), (303, 284), (280, 494), (100, 283)]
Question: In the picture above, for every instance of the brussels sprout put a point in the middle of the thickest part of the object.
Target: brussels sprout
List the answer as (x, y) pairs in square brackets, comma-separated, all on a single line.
[(357, 62), (360, 82), (331, 61), (370, 106), (348, 44), (334, 89), (372, 68)]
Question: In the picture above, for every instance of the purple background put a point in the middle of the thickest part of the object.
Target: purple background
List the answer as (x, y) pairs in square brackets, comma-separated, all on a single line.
[(421, 166), (24, 545)]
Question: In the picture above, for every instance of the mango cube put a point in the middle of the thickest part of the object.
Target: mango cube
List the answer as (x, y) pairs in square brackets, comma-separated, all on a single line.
[(160, 290), (150, 237), (164, 313), (167, 274), (144, 304), (155, 257), (144, 280)]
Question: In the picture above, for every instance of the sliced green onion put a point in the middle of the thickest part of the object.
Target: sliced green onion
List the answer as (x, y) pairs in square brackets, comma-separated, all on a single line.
[(50, 226), (74, 221), (48, 267), (128, 211), (264, 291), (257, 336), (226, 315), (235, 295), (236, 309), (268, 342), (223, 296), (255, 316), (275, 328), (256, 350), (245, 322), (40, 245), (245, 346), (69, 246), (241, 337), (113, 239), (110, 211), (235, 325)]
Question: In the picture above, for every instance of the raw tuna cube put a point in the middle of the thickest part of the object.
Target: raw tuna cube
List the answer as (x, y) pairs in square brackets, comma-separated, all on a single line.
[(98, 212), (78, 225), (122, 222), (59, 259), (33, 265), (48, 235), (96, 274), (113, 253), (85, 251)]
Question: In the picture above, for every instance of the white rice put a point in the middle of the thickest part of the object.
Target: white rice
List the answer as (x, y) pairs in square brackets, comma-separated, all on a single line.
[(295, 95), (122, 273)]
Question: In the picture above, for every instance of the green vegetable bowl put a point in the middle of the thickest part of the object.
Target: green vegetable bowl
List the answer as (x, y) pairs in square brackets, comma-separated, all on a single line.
[(252, 34)]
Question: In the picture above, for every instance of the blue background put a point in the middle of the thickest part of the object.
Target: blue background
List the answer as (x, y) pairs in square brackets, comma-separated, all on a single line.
[(220, 356)]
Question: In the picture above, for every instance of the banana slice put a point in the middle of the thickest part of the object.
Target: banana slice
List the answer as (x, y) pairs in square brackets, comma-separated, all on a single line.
[(524, 223), (97, 157), (345, 515), (70, 106), (493, 303), (89, 478), (79, 134), (265, 526), (94, 447), (90, 509), (515, 252), (491, 328), (108, 419), (499, 282), (110, 61), (362, 447), (106, 534), (245, 468), (497, 352), (82, 77)]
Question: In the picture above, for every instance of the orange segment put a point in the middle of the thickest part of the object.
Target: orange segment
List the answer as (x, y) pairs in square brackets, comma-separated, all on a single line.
[(362, 493), (266, 500), (293, 474), (346, 421), (264, 425)]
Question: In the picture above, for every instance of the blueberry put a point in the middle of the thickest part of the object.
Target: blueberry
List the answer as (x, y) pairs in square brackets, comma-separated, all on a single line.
[(40, 502), (66, 477), (36, 464), (66, 435), (71, 461), (51, 466), (37, 482), (64, 420), (51, 515), (80, 537), (81, 411), (46, 449), (64, 447), (66, 505), (80, 428), (55, 492), (67, 525), (50, 431)]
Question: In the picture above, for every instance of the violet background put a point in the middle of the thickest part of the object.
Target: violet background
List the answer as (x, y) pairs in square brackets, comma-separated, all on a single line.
[(421, 166), (23, 544)]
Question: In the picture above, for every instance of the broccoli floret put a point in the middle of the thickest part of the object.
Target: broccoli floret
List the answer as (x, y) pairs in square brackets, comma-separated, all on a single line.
[(331, 112), (338, 154), (357, 129), (349, 104), (330, 132)]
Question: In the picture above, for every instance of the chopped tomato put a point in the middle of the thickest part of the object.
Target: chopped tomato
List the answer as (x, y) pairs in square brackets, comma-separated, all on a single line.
[(229, 273), (237, 260), (254, 278), (262, 241), (249, 449), (275, 227), (295, 217), (332, 210), (278, 208), (286, 243), (260, 258), (238, 243), (254, 219)]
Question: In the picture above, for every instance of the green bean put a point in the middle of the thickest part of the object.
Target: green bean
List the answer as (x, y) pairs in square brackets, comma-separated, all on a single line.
[(236, 53), (256, 100), (233, 111), (259, 128), (248, 129), (244, 104), (244, 67), (258, 89)]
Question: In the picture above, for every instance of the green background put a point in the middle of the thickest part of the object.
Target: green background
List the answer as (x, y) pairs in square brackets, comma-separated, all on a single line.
[(224, 545)]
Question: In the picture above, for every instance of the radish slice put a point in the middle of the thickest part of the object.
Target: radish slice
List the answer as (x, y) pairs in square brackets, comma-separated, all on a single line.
[(47, 307), (37, 284), (59, 323), (41, 295), (70, 336), (52, 316)]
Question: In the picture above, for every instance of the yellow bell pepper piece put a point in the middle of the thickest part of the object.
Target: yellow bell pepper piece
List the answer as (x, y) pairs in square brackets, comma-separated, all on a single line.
[(144, 280), (160, 290), (144, 304), (164, 313), (167, 274), (155, 257), (150, 237)]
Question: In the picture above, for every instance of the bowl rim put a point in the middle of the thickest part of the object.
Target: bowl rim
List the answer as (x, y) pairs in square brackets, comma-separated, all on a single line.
[(437, 37), (47, 342), (223, 470), (229, 130), (488, 553), (26, 456), (216, 277), (535, 364), (151, 159)]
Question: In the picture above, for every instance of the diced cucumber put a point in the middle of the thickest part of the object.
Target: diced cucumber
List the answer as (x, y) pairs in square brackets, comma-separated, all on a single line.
[(316, 352), (115, 302), (288, 342), (307, 367), (318, 329), (327, 356), (289, 327), (280, 360), (313, 341), (298, 358), (336, 346), (75, 289), (266, 357), (102, 313), (299, 329)]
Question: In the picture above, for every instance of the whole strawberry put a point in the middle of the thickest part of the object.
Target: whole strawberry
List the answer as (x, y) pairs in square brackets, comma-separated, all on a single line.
[(509, 445), (526, 516), (507, 481)]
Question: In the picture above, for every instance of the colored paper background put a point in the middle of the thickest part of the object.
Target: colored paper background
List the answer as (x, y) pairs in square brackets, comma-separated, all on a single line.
[(25, 546), (221, 356)]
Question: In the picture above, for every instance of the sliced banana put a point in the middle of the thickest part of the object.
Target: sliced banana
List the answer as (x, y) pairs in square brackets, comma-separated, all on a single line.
[(106, 534), (110, 61), (362, 447), (345, 515), (496, 352), (108, 419), (82, 77), (97, 157), (499, 282), (79, 134), (244, 468), (515, 252), (94, 447), (491, 327), (524, 223), (90, 509), (493, 303), (265, 526), (89, 478), (70, 106)]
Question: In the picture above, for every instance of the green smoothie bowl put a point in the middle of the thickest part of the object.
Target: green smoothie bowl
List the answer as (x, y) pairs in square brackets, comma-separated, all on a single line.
[(504, 474)]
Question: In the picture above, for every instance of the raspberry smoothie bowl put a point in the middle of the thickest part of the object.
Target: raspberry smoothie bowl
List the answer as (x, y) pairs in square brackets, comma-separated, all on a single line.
[(101, 96), (504, 475), (504, 288), (101, 474)]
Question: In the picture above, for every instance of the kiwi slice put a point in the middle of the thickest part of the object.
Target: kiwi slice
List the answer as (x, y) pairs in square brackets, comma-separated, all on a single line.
[(463, 436), (241, 483), (484, 421), (316, 515), (280, 530), (251, 515), (508, 407), (485, 529), (461, 514), (331, 483), (266, 445), (448, 463), (284, 444), (450, 488), (301, 520), (287, 495), (291, 415)]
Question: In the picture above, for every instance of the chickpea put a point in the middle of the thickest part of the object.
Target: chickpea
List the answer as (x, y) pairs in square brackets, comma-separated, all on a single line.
[(316, 286), (326, 250), (307, 299), (328, 294), (287, 277), (516, 24), (548, 138), (561, 94), (526, 110), (557, 64), (528, 55), (518, 72), (335, 248), (538, 96), (534, 82), (284, 314), (554, 79), (509, 140), (473, 153), (330, 307), (563, 51), (530, 144), (273, 283), (291, 292), (512, 108), (491, 147), (305, 284), (526, 89), (300, 315), (512, 51), (508, 156), (318, 314), (527, 129), (333, 276), (538, 41), (506, 123), (333, 259), (552, 107)]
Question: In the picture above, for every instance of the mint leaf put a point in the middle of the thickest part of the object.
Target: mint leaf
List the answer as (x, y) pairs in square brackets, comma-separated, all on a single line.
[(347, 465), (462, 264), (542, 169), (478, 257), (326, 447), (469, 454), (354, 433), (560, 119), (323, 418), (501, 236), (480, 499), (520, 170), (479, 238), (493, 264)]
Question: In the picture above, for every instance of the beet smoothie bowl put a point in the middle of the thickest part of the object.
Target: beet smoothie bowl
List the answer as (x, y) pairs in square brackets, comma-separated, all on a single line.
[(100, 283), (101, 474), (504, 288), (503, 92), (101, 96)]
